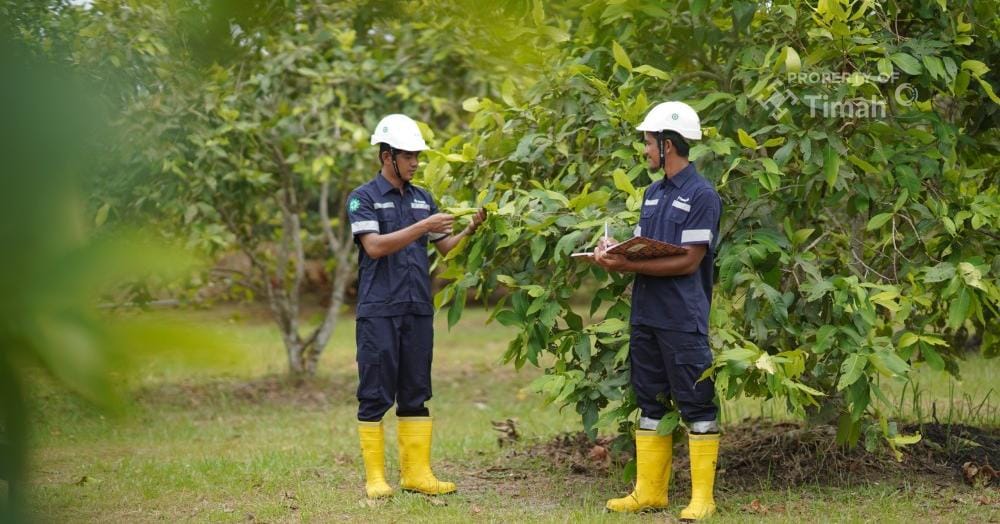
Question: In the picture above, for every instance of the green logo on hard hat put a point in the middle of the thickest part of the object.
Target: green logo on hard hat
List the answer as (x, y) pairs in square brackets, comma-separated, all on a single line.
[(353, 205), (674, 116), (385, 129)]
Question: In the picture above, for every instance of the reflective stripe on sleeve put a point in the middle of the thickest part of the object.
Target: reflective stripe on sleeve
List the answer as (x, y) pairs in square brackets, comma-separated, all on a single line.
[(364, 226), (696, 235)]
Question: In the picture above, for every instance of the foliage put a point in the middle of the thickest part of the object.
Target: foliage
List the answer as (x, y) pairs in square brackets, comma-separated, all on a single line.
[(258, 153), (853, 246)]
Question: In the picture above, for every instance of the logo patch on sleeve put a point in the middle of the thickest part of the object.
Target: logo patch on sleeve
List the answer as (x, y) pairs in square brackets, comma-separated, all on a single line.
[(353, 205)]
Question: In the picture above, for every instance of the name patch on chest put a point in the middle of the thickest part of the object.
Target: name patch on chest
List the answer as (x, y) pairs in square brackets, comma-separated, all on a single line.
[(682, 206), (652, 202), (384, 205)]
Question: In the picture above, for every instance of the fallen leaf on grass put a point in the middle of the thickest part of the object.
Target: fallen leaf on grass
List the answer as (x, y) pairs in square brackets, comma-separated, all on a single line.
[(756, 507), (598, 453), (979, 476), (436, 501), (476, 509)]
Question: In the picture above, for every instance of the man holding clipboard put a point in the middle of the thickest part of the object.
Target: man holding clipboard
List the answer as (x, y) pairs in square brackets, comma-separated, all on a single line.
[(671, 297)]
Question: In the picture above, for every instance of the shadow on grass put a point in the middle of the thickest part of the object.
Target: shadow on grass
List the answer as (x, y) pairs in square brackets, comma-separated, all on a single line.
[(271, 391)]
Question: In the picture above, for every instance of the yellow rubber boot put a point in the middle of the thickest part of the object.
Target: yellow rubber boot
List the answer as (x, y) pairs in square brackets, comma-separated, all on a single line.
[(415, 458), (373, 451), (653, 455), (704, 455)]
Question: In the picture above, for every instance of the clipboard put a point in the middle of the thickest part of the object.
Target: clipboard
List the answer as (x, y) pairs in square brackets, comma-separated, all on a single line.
[(641, 248)]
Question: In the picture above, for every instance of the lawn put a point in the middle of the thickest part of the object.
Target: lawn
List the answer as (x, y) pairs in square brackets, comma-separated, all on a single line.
[(227, 440)]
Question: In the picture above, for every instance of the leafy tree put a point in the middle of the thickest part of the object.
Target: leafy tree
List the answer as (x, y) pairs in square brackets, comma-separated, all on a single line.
[(260, 153), (853, 246)]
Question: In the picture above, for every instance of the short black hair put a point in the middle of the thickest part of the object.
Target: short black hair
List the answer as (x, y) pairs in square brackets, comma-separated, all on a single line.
[(383, 148), (678, 141)]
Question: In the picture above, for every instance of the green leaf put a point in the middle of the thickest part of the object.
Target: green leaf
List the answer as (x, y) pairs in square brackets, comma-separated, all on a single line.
[(611, 325), (831, 166), (508, 317), (884, 68), (668, 423), (507, 92), (959, 310), (793, 64), (455, 311), (621, 57), (939, 273), (932, 340), (989, 90), (935, 67), (533, 290), (766, 363), (802, 235), (705, 103), (907, 340), (878, 221), (824, 338), (102, 215), (898, 441), (746, 140), (622, 182), (649, 70), (867, 167), (802, 387), (471, 104), (972, 276), (851, 370), (931, 356), (975, 67), (907, 63), (770, 166)]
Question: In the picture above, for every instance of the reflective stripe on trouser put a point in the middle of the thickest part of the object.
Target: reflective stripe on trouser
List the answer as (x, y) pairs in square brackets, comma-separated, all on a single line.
[(668, 364), (394, 365)]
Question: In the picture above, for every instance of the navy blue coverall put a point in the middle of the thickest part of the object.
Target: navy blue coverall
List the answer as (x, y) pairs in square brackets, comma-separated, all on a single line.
[(668, 347), (395, 336)]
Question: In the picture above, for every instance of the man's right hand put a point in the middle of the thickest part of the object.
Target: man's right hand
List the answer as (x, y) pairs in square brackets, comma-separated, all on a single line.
[(439, 223), (605, 243)]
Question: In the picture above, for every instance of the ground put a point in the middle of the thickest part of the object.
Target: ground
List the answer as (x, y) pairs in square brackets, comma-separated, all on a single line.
[(227, 439)]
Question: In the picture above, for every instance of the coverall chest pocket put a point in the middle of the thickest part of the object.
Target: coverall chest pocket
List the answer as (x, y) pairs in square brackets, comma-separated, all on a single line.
[(388, 219), (420, 211), (646, 217), (678, 212)]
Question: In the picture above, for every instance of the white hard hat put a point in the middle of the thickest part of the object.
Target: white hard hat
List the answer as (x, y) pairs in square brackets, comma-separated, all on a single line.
[(400, 132), (673, 116)]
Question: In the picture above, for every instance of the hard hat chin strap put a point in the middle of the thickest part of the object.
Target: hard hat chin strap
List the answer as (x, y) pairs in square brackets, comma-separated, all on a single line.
[(392, 154), (661, 142)]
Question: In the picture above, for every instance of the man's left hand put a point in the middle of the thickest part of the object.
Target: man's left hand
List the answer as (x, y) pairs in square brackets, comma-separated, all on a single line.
[(477, 220), (609, 262)]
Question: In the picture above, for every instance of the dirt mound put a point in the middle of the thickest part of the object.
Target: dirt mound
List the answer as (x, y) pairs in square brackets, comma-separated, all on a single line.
[(784, 454), (779, 455), (576, 452), (969, 452)]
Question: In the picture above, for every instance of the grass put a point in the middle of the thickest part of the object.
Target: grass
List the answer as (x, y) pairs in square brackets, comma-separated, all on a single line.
[(222, 440)]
